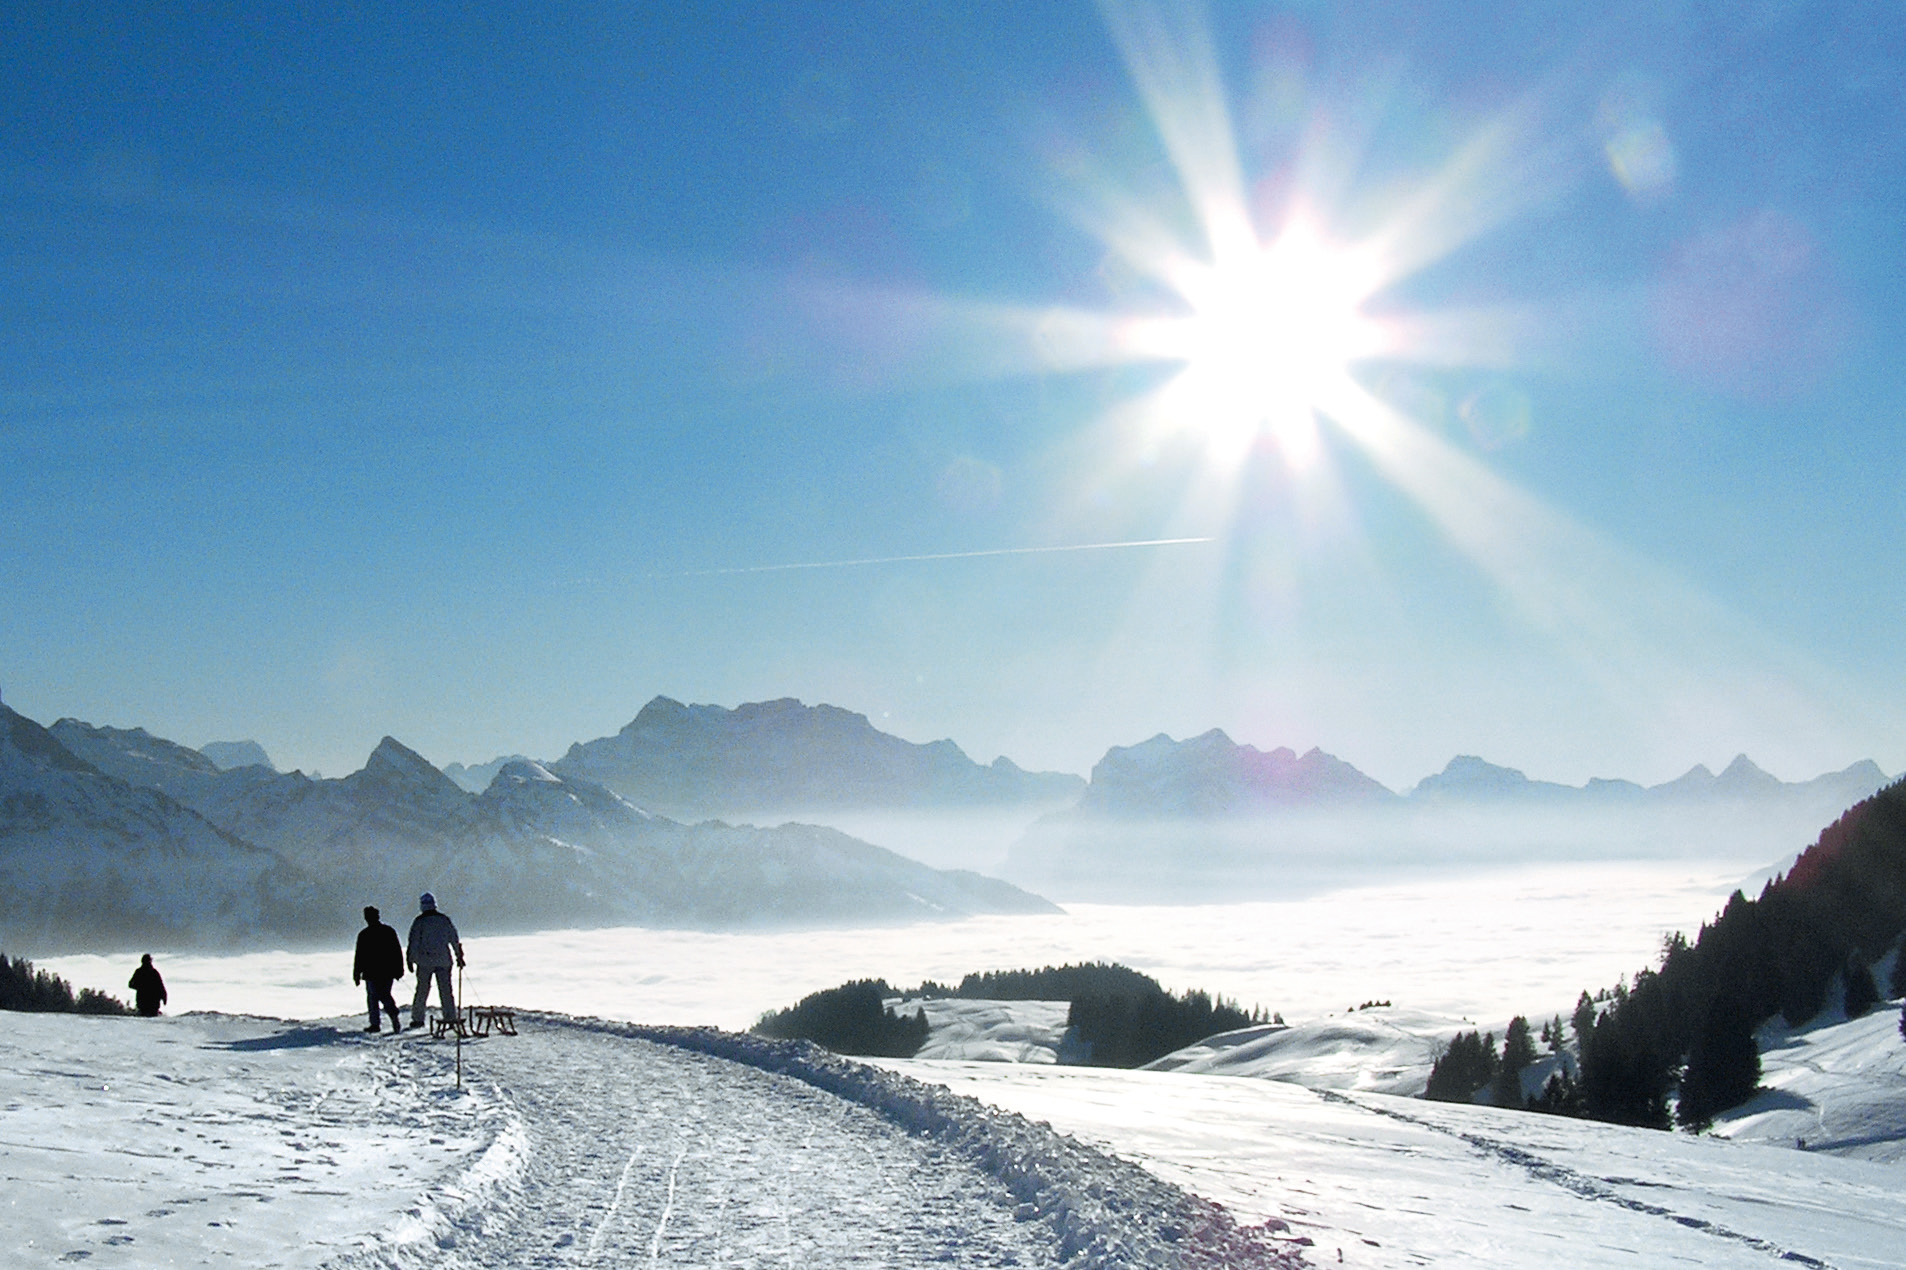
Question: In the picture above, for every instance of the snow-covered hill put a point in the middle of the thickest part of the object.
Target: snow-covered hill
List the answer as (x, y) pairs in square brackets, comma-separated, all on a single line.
[(1386, 1050)]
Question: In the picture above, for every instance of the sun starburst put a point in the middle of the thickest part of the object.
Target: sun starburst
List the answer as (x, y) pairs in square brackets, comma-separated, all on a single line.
[(1268, 341)]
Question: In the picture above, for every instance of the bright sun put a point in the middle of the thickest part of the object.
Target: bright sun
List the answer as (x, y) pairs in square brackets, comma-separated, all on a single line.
[(1271, 335)]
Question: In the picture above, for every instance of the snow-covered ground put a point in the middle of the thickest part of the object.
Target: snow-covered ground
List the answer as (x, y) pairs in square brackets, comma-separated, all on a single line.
[(210, 1138), (207, 1139), (1832, 1086), (1386, 1050), (1380, 1181), (991, 1031)]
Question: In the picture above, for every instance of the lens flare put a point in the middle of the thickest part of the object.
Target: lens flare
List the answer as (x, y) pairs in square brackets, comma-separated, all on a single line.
[(1271, 335)]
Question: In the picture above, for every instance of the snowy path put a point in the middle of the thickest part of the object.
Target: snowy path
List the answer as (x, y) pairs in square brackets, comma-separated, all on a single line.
[(645, 1154), (220, 1140)]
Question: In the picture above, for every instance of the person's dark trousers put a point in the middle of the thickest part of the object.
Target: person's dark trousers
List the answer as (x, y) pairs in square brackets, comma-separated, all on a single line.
[(377, 993)]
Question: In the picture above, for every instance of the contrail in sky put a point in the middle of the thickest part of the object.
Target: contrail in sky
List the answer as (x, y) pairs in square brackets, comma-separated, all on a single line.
[(939, 555)]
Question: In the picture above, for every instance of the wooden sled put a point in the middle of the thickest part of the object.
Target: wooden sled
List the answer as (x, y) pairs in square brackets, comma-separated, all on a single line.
[(474, 1021)]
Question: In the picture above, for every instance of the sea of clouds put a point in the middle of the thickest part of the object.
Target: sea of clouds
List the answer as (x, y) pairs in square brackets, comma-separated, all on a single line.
[(1484, 946)]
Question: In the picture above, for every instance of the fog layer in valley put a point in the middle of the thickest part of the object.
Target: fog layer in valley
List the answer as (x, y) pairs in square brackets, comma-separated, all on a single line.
[(1485, 945)]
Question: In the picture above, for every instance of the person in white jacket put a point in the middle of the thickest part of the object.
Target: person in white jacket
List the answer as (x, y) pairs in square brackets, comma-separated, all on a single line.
[(432, 949)]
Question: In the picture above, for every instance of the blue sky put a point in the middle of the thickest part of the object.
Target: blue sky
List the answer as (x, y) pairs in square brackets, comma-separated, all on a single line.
[(459, 376)]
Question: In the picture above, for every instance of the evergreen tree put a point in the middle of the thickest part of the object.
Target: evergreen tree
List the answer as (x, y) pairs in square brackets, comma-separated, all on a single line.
[(1518, 1051), (1624, 1080), (1561, 1096), (1469, 1064), (1583, 1020), (1862, 994), (1132, 1029), (1897, 988), (1723, 1066)]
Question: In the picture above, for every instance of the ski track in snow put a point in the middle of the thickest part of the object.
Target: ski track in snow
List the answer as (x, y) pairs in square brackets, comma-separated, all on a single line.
[(648, 1154), (691, 1147), (1576, 1182)]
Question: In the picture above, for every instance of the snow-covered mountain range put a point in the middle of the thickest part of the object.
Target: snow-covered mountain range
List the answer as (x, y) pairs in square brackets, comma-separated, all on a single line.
[(597, 836), (706, 760), (88, 860), (703, 760), (1213, 777), (1207, 819), (144, 840)]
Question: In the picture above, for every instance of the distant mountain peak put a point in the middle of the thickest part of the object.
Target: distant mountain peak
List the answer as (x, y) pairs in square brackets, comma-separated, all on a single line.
[(525, 771), (1745, 776), (37, 746), (230, 754), (1211, 775), (394, 761)]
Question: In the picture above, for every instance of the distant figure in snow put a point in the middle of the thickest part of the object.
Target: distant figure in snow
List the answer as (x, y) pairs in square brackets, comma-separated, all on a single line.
[(380, 963), (148, 989), (433, 941)]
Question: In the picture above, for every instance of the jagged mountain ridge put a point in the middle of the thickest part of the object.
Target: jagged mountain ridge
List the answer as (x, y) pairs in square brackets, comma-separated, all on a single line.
[(88, 860), (534, 851), (782, 756), (1206, 819), (1468, 778), (1212, 775), (139, 758), (476, 777), (699, 760)]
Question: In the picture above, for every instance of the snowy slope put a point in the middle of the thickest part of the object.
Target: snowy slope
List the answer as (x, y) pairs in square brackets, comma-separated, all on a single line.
[(139, 1142), (131, 1142), (991, 1031), (89, 861), (1834, 1086), (1386, 1050), (1388, 1183)]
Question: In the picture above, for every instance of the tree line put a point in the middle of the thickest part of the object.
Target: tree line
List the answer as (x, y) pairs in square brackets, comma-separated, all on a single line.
[(851, 1019), (41, 991), (1123, 1017), (1684, 1032)]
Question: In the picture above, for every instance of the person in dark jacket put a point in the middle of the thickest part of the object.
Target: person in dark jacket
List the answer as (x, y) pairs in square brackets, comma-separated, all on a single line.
[(148, 989), (433, 941), (380, 963)]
